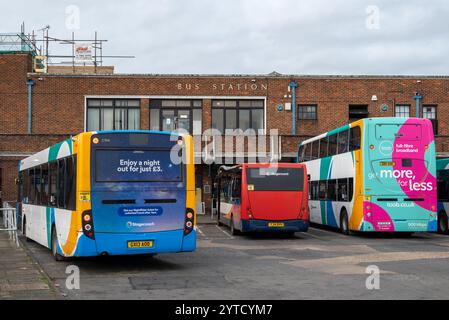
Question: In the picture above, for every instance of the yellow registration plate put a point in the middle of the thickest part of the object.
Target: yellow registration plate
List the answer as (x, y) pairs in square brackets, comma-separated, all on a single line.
[(140, 244), (276, 224)]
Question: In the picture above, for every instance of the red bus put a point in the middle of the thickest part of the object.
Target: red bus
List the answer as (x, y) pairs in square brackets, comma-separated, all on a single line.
[(263, 197)]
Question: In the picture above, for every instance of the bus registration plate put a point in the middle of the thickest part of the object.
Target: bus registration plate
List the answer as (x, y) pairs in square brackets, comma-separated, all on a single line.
[(276, 224), (140, 244)]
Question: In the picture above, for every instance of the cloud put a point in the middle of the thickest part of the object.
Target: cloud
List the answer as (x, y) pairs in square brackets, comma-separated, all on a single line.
[(255, 36)]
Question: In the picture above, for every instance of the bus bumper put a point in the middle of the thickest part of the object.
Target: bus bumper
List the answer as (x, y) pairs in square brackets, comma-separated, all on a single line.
[(264, 226), (117, 243)]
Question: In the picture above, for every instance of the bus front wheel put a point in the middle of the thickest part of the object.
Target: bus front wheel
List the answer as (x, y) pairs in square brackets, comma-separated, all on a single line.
[(54, 245), (344, 224), (442, 223)]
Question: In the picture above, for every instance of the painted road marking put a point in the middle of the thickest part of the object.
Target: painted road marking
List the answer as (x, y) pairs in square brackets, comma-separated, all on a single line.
[(351, 264), (225, 232)]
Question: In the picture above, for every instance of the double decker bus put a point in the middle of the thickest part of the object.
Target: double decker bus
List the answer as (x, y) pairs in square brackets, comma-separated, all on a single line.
[(375, 174), (256, 197), (443, 194), (111, 193)]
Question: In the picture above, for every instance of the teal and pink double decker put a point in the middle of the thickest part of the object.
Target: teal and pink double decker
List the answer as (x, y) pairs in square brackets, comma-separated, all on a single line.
[(376, 174)]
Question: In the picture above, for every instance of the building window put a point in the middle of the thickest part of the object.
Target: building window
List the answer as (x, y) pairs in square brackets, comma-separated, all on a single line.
[(170, 115), (113, 114), (402, 111), (238, 114), (430, 112), (358, 111), (307, 112)]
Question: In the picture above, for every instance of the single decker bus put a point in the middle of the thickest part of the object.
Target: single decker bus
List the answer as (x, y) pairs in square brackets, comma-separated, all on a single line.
[(375, 174), (111, 193), (254, 197)]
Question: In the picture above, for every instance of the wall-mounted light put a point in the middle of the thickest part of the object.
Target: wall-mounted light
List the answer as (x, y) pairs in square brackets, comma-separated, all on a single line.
[(373, 97)]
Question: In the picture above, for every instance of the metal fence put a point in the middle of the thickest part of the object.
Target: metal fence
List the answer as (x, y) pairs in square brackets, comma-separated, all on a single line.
[(9, 221)]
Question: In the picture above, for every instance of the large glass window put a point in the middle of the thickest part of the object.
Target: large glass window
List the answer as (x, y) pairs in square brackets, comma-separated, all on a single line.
[(238, 114), (307, 112), (113, 114)]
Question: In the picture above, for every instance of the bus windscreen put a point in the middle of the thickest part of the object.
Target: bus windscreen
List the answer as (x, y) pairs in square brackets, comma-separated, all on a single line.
[(275, 179), (113, 165)]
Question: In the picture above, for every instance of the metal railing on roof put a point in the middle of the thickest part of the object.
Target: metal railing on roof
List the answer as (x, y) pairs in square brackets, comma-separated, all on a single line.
[(17, 43)]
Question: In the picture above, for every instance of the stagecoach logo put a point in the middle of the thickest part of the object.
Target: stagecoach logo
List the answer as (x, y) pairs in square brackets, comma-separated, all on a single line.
[(386, 147), (131, 224)]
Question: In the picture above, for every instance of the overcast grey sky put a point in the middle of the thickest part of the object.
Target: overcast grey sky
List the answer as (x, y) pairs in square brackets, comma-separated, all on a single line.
[(252, 36)]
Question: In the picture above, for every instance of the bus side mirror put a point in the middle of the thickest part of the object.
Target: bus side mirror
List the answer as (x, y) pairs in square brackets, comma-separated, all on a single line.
[(308, 177)]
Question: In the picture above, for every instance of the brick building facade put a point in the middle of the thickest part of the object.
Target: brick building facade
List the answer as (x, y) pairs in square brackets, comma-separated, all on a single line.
[(37, 110)]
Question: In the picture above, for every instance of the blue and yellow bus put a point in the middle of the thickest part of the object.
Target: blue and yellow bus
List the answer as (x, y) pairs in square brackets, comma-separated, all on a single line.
[(111, 193), (375, 174)]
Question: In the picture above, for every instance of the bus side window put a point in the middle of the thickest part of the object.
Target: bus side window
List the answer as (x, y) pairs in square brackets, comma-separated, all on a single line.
[(306, 152), (343, 141), (322, 190), (300, 153), (32, 190), (237, 189), (342, 190), (44, 185), (26, 185), (331, 190), (315, 149), (37, 185), (332, 145), (53, 183), (354, 138), (61, 183), (324, 142), (442, 185), (350, 188), (70, 196)]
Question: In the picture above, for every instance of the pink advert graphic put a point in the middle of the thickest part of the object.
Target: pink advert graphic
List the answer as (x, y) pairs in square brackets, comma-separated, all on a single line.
[(379, 218), (415, 181)]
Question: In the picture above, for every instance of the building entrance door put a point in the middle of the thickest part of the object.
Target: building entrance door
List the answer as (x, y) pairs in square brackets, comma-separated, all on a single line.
[(176, 119)]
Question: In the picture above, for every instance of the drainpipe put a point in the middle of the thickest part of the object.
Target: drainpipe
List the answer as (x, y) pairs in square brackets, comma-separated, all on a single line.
[(293, 85), (418, 98), (30, 84)]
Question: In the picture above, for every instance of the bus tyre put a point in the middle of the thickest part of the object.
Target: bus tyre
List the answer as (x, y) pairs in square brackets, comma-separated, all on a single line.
[(54, 245), (442, 223), (233, 229), (344, 224)]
